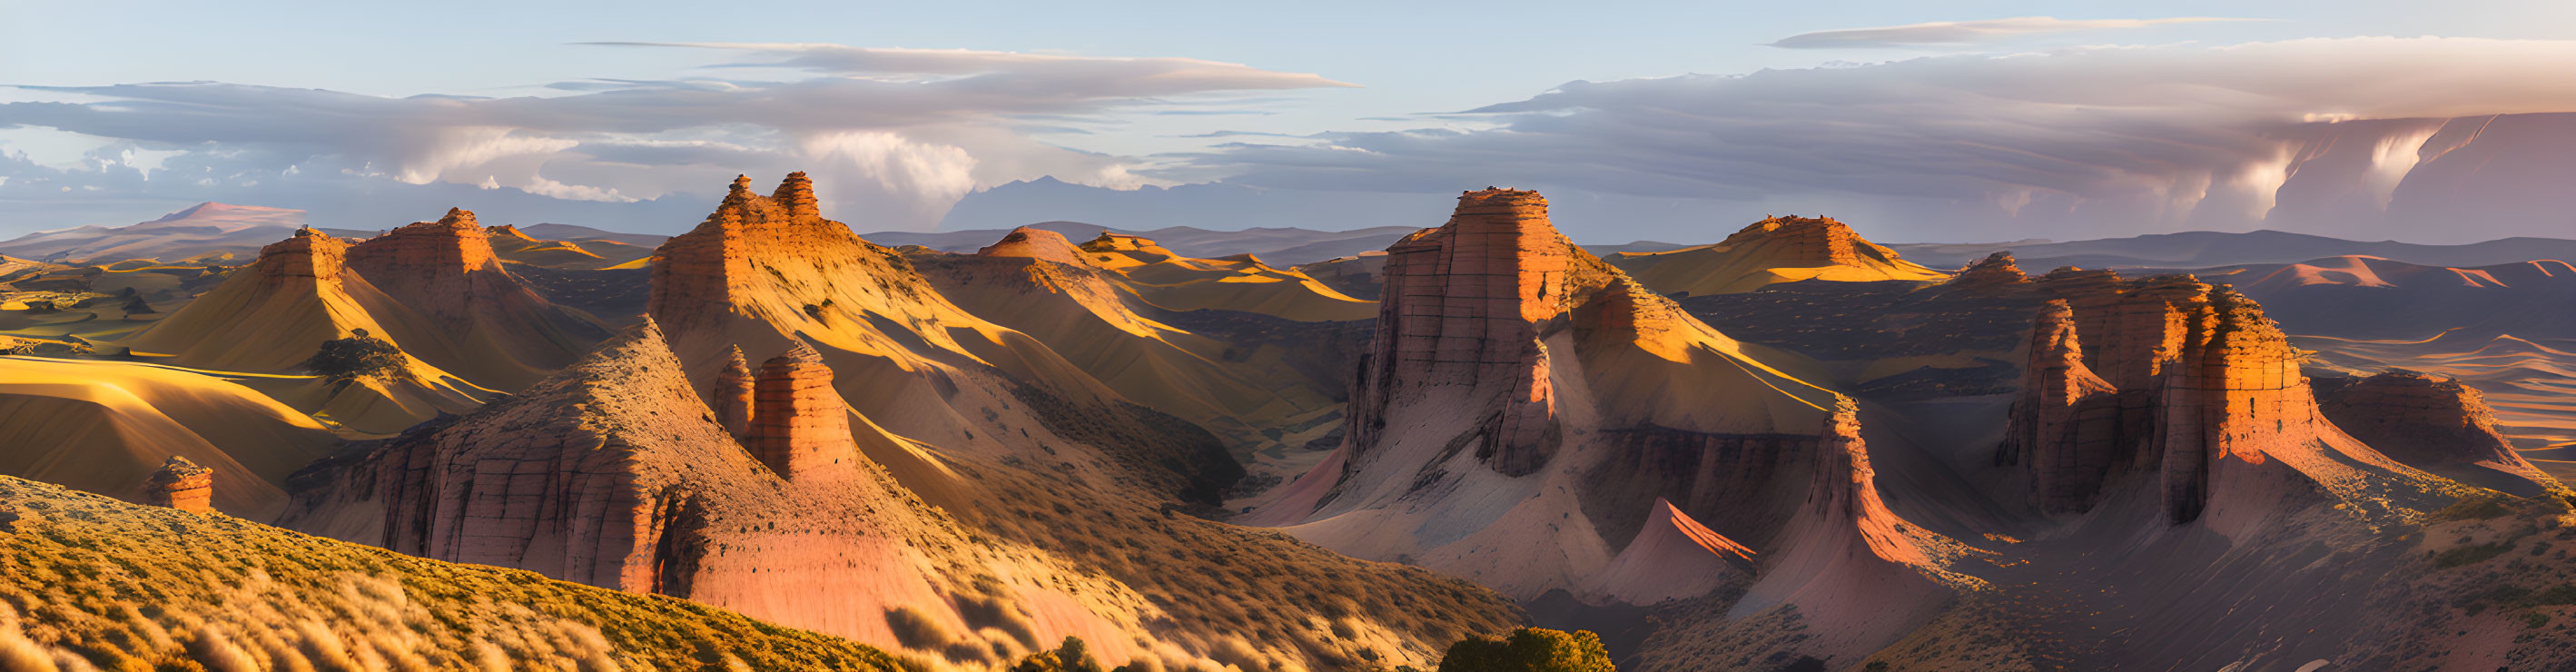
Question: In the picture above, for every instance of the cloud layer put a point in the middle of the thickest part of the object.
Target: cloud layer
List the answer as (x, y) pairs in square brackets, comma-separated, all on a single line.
[(1955, 33), (897, 133), (2080, 141)]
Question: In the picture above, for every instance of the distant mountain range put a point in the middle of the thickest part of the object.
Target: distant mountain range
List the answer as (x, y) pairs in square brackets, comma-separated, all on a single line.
[(2204, 249)]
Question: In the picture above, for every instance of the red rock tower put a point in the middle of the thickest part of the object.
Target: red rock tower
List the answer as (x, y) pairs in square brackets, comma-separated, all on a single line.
[(2236, 393), (733, 396), (2065, 429), (798, 423), (181, 484), (1461, 309)]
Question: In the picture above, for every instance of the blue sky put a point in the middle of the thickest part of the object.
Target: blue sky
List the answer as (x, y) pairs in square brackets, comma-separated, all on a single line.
[(1407, 63)]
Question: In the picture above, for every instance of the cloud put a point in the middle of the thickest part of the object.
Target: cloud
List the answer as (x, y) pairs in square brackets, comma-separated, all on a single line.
[(2105, 140), (1951, 33), (900, 131)]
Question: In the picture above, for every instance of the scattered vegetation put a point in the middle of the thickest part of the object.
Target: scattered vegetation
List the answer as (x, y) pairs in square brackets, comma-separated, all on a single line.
[(1530, 650), (88, 582), (357, 357)]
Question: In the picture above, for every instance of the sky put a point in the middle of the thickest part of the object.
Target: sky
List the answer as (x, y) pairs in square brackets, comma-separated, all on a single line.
[(1931, 121)]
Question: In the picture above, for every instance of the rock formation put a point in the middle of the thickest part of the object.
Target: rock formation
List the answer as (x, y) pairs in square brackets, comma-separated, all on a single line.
[(2438, 425), (2170, 379), (1774, 250), (496, 331), (1519, 393), (181, 484), (798, 426), (734, 396), (1995, 271), (1462, 308)]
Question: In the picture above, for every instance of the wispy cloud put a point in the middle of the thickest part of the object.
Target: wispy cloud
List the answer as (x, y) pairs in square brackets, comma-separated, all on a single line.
[(1955, 33), (902, 132)]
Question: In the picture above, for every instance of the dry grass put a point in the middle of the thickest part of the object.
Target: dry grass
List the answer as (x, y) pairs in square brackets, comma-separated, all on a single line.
[(92, 583)]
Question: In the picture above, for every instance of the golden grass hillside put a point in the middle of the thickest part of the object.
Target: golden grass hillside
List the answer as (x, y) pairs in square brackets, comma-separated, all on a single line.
[(88, 583)]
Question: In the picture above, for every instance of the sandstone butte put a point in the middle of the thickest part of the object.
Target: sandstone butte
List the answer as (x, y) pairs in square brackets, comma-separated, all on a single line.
[(766, 274), (2438, 425), (1996, 271), (502, 334), (2184, 384), (274, 314), (181, 484), (1775, 250), (1520, 393)]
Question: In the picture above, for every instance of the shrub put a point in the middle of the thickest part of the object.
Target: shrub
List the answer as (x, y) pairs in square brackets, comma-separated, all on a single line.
[(1530, 650), (356, 357)]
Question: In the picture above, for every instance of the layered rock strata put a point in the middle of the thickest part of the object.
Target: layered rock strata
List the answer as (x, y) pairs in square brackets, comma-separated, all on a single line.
[(181, 484), (1461, 309), (1802, 241), (798, 425), (734, 395), (2438, 425)]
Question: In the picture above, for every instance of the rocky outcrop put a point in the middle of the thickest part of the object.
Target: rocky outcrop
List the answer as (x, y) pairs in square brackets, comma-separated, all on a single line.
[(1803, 241), (798, 425), (307, 254), (734, 395), (501, 333), (2067, 429), (181, 484), (1461, 309), (2166, 378), (1772, 251), (1991, 273), (2438, 425)]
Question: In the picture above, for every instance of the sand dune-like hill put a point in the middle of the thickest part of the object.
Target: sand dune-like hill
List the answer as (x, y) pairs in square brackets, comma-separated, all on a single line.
[(1037, 282), (1774, 250), (274, 314), (496, 331), (100, 584), (1532, 419), (1237, 282), (104, 427), (765, 272), (516, 246), (207, 230)]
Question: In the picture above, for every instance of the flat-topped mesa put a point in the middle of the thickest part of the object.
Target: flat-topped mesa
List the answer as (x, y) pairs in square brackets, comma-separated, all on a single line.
[(1034, 243), (181, 484), (307, 254), (1996, 270), (510, 233), (2435, 424), (1813, 241), (1461, 309), (798, 424), (734, 395), (452, 246)]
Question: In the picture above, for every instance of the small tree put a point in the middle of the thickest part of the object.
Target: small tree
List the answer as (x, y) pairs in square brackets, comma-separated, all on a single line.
[(1530, 650), (356, 357), (1072, 656)]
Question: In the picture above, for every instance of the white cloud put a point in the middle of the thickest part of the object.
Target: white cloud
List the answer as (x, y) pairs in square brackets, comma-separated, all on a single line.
[(1954, 33), (918, 127), (2109, 140)]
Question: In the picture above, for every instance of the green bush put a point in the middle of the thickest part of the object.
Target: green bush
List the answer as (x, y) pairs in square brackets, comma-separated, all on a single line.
[(357, 357), (1530, 650)]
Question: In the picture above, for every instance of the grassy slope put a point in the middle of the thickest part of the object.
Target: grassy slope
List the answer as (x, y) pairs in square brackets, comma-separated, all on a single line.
[(127, 587)]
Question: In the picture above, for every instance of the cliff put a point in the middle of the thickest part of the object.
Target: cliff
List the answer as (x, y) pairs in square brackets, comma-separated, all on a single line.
[(501, 334), (2441, 426)]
